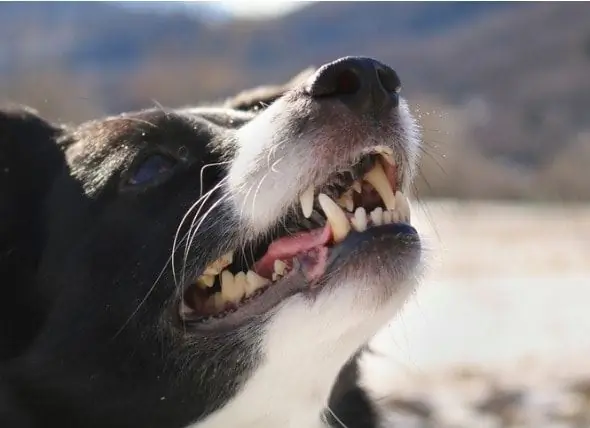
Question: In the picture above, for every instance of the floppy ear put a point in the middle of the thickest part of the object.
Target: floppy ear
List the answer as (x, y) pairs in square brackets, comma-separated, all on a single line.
[(260, 97), (30, 159)]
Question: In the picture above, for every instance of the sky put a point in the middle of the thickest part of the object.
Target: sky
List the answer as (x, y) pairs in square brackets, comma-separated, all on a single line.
[(259, 8)]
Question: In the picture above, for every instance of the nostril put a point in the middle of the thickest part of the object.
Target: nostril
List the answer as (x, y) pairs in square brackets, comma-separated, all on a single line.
[(389, 79), (347, 82)]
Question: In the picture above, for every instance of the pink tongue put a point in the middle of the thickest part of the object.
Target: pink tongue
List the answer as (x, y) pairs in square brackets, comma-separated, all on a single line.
[(287, 247)]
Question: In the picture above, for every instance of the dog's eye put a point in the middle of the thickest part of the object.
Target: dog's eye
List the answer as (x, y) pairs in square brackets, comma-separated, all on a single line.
[(151, 168)]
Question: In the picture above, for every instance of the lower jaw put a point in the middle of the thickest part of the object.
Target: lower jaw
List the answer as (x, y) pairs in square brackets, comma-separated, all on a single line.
[(310, 270)]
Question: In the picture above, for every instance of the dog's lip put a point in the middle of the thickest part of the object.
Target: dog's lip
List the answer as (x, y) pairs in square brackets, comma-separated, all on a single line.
[(298, 281)]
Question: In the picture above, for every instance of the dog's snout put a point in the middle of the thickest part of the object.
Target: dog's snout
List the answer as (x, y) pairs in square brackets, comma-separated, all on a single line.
[(364, 84)]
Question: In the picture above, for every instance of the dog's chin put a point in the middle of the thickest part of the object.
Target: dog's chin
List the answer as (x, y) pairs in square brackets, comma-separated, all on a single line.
[(371, 267)]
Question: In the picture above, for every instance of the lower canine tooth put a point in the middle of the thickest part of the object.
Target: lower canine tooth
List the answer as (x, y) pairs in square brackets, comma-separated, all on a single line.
[(336, 217), (377, 216), (359, 221), (377, 178)]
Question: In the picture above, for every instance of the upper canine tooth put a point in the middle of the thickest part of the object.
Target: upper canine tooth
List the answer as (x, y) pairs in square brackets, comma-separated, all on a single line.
[(388, 158), (306, 201), (377, 178), (359, 221), (403, 206), (336, 217)]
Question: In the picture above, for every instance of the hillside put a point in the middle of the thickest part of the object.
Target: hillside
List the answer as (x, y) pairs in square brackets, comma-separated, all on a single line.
[(502, 88)]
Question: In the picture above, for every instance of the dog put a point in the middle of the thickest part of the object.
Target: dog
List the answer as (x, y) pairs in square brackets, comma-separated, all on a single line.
[(207, 267)]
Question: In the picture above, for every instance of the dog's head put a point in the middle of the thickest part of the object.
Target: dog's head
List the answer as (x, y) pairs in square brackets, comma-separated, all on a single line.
[(208, 265)]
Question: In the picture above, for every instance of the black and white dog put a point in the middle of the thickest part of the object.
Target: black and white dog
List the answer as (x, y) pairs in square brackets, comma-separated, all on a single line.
[(206, 267)]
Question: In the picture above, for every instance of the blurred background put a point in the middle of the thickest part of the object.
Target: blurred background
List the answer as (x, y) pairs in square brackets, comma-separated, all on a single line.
[(499, 334)]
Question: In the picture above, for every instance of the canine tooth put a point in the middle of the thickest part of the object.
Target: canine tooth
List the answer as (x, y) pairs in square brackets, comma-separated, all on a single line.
[(387, 217), (346, 201), (388, 158), (377, 178), (306, 201), (205, 281), (377, 216), (357, 186), (280, 267), (383, 149), (230, 291), (254, 282), (403, 206), (336, 217), (359, 221)]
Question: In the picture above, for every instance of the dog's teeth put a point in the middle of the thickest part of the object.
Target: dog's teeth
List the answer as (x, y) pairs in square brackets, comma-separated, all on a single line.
[(377, 216), (357, 186), (377, 178), (240, 284), (388, 158), (275, 277), (230, 291), (359, 221), (254, 282), (280, 267), (346, 201), (205, 281), (403, 206), (306, 200), (336, 217), (217, 266), (383, 150), (387, 217)]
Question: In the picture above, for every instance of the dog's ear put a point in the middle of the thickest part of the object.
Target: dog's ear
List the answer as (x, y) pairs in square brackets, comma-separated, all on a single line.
[(262, 96), (30, 159)]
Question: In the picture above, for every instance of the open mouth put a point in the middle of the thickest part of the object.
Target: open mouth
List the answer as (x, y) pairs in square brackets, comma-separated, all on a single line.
[(364, 200)]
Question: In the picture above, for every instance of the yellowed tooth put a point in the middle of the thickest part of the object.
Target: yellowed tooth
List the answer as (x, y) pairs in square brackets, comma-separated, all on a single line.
[(346, 201), (275, 276), (240, 284), (387, 217), (377, 178), (403, 206), (377, 216), (229, 290), (357, 186), (388, 158), (306, 201), (254, 282), (205, 281), (217, 266), (359, 221), (336, 217), (280, 267)]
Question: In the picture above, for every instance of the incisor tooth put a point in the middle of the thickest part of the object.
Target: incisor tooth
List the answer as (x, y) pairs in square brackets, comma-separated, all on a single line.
[(280, 267), (359, 221), (336, 217), (205, 281), (377, 216), (357, 186), (217, 266), (377, 178), (403, 206), (254, 282), (346, 201), (306, 201)]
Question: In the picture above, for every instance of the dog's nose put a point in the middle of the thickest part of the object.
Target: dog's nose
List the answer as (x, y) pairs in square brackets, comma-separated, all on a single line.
[(364, 84)]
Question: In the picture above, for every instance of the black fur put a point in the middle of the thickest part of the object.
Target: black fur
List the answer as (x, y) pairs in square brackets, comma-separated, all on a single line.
[(83, 341)]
